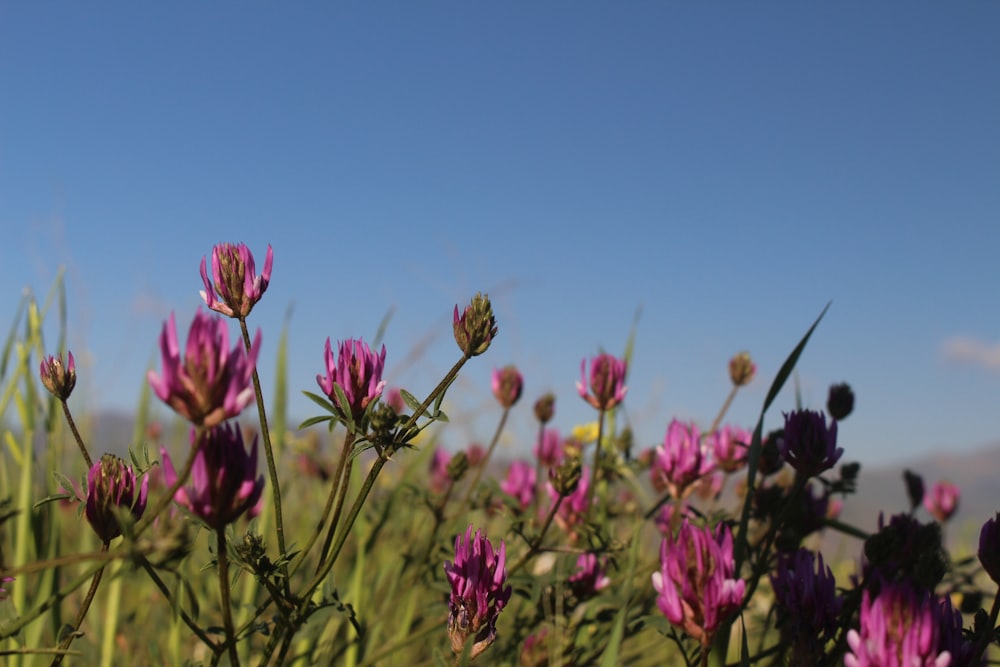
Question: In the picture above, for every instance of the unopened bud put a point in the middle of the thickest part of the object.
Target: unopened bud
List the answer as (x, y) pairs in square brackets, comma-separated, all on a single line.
[(840, 402), (566, 477), (59, 379), (545, 408), (475, 329), (457, 466), (508, 383), (742, 369)]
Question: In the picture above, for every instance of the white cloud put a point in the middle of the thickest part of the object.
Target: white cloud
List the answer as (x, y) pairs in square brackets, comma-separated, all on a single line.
[(962, 349)]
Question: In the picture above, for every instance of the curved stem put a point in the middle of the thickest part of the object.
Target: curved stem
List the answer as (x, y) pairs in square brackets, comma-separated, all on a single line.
[(84, 608), (486, 459), (76, 435), (227, 611), (188, 621)]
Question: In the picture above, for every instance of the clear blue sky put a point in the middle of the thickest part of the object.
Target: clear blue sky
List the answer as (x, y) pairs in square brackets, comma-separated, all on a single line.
[(729, 168)]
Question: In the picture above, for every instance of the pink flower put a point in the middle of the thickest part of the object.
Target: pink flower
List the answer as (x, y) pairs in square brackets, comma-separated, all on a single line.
[(730, 446), (696, 587), (549, 449), (520, 483), (211, 383), (589, 578), (508, 383), (942, 501), (224, 482), (235, 281), (58, 379), (111, 486), (680, 461), (357, 371), (607, 381), (478, 595)]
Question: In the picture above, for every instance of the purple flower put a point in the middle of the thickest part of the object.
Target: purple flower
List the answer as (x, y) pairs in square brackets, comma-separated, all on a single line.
[(607, 381), (211, 383), (235, 281), (696, 587), (549, 449), (59, 379), (942, 501), (904, 625), (224, 481), (111, 487), (989, 548), (809, 445), (589, 577), (806, 592), (730, 446), (357, 371), (478, 595), (520, 483), (507, 385), (680, 461)]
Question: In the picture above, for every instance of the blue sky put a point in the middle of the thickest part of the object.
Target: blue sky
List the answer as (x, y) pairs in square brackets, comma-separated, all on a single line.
[(729, 168)]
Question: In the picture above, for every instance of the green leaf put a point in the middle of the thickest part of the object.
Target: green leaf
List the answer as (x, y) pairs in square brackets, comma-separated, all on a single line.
[(410, 400), (321, 401)]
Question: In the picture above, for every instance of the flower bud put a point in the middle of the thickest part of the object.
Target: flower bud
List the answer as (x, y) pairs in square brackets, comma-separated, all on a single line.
[(476, 328), (234, 280), (111, 487), (566, 477), (840, 402), (59, 379), (742, 369), (989, 548), (607, 381), (545, 408), (507, 386)]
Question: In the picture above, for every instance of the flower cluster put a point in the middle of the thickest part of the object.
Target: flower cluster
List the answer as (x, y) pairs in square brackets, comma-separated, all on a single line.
[(357, 372)]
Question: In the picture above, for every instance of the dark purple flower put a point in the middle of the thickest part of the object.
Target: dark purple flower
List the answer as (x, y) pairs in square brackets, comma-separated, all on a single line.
[(478, 595), (111, 486), (59, 379), (989, 548), (680, 461), (224, 481), (210, 383), (942, 501), (357, 371), (508, 383), (520, 483), (234, 280), (840, 401), (809, 445), (607, 381), (806, 593)]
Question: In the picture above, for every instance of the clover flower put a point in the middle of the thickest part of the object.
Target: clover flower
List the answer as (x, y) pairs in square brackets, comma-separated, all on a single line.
[(478, 595), (357, 371), (680, 461), (520, 483), (549, 451), (809, 445), (730, 446), (224, 481), (607, 381), (942, 501), (476, 327), (742, 369), (58, 379), (840, 401), (111, 488), (210, 383), (806, 593), (234, 279), (696, 587), (507, 383)]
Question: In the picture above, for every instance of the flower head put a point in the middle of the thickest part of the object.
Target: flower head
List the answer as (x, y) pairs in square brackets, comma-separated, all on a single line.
[(507, 385), (680, 461), (478, 595), (111, 486), (730, 446), (989, 548), (476, 327), (234, 280), (742, 369), (942, 501), (607, 381), (210, 383), (357, 371), (549, 448), (59, 379), (696, 588), (809, 445), (840, 401), (545, 408), (224, 481), (520, 483), (808, 604)]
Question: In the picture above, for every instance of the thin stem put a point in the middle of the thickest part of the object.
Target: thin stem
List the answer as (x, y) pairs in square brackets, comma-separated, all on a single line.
[(84, 608), (188, 621), (76, 434), (227, 611), (597, 462), (343, 481), (539, 482), (334, 488), (12, 628), (537, 542), (486, 459), (272, 470)]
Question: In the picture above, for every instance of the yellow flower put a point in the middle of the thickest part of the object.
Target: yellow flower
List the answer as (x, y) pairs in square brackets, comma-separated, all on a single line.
[(585, 433)]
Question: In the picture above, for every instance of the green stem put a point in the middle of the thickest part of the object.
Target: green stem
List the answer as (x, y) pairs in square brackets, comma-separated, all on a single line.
[(272, 469), (537, 542), (84, 608), (486, 459), (724, 409), (597, 463), (227, 611), (342, 481), (76, 434), (188, 621)]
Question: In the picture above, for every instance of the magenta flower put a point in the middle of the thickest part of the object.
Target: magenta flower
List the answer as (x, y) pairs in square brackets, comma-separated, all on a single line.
[(989, 548), (478, 594), (224, 482), (809, 445), (235, 281), (680, 461), (211, 383), (589, 578), (357, 371), (907, 626), (520, 483), (730, 446), (696, 587), (808, 603), (111, 486), (942, 501), (607, 381), (549, 450), (58, 379), (508, 384)]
